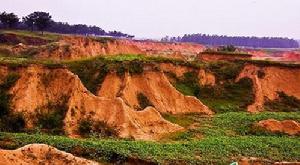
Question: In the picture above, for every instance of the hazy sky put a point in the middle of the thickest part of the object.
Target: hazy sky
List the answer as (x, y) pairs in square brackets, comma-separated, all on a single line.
[(157, 18)]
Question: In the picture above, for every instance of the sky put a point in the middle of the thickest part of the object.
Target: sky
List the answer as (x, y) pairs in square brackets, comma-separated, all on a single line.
[(158, 18)]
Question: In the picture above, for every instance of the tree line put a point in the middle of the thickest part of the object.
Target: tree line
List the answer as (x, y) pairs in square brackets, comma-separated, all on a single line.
[(256, 42), (42, 21)]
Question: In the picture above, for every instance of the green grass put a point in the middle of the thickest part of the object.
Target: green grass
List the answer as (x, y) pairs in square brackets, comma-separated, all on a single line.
[(45, 36), (213, 150), (240, 123)]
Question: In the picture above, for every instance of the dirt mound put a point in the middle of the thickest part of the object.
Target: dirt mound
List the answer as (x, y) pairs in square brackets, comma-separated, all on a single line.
[(39, 88), (8, 38), (289, 127), (257, 161), (155, 86), (36, 154), (72, 47), (268, 81)]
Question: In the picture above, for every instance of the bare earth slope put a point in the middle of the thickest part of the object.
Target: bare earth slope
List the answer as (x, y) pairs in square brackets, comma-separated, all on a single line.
[(156, 87), (273, 79), (38, 87), (36, 154)]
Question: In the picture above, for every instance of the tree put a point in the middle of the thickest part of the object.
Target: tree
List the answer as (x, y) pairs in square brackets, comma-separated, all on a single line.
[(9, 20), (41, 20), (29, 20)]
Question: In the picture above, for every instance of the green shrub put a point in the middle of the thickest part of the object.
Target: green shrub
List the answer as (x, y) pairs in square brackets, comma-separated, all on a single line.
[(143, 100), (13, 122), (283, 103), (7, 83), (102, 129), (85, 127), (97, 129), (228, 48), (188, 84), (225, 71), (229, 96), (261, 74), (51, 117), (135, 67)]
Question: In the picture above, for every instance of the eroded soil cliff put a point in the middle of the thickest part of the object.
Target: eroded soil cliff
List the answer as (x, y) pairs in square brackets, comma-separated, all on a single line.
[(39, 89), (268, 81)]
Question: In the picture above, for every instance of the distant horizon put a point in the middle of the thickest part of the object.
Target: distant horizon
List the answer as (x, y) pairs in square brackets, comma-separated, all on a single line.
[(156, 19)]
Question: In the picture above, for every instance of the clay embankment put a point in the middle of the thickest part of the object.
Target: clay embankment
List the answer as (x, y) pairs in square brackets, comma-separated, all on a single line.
[(71, 47), (269, 80), (289, 127), (173, 50), (205, 78), (36, 154), (258, 161), (38, 86), (156, 87)]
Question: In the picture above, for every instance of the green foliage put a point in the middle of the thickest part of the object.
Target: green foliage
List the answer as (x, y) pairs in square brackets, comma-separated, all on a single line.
[(212, 150), (50, 118), (9, 20), (283, 103), (224, 70), (228, 48), (182, 120), (7, 83), (13, 122), (96, 129), (229, 96), (90, 72), (225, 51), (261, 74), (23, 33), (240, 123), (143, 100), (188, 84), (103, 40), (85, 127)]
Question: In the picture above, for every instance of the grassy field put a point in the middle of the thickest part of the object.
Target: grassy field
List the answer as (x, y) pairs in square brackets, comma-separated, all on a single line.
[(45, 36), (225, 138)]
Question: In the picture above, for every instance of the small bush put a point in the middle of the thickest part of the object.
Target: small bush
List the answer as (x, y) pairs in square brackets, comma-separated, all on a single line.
[(98, 129), (50, 118), (102, 129), (261, 74), (144, 102), (12, 123), (135, 67), (283, 103), (7, 83), (85, 127), (225, 71)]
